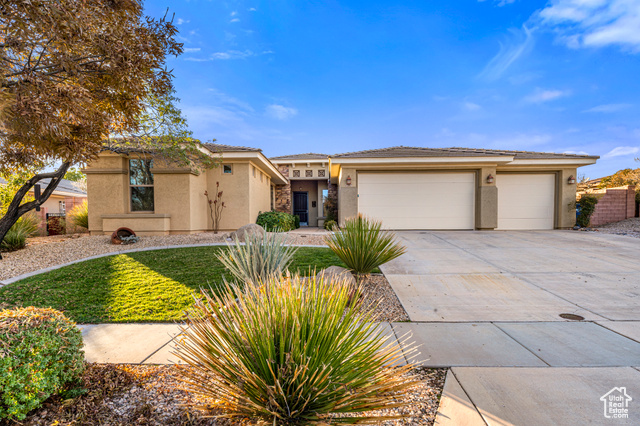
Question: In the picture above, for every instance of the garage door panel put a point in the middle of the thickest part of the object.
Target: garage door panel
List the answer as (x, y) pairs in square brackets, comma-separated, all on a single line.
[(418, 200), (526, 201)]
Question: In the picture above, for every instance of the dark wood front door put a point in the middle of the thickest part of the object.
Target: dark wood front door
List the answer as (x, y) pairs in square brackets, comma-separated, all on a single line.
[(301, 206)]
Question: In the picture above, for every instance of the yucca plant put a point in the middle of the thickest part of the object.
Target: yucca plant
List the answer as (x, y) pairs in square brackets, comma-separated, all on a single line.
[(80, 215), (16, 237), (290, 350), (260, 257), (362, 244)]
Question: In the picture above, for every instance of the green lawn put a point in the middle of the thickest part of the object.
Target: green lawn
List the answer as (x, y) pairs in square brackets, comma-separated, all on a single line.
[(137, 287)]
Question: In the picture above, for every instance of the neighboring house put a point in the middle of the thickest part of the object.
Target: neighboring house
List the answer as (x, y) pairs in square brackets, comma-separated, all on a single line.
[(126, 190), (405, 187), (65, 197)]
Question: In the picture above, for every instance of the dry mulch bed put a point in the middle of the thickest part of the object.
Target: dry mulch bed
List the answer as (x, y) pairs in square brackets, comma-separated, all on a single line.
[(153, 395), (629, 227), (389, 309)]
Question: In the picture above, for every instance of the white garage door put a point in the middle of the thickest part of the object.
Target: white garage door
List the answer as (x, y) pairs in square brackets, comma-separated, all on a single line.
[(418, 200), (526, 201)]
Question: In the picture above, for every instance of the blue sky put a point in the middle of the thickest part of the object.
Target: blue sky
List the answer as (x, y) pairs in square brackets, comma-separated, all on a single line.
[(336, 76)]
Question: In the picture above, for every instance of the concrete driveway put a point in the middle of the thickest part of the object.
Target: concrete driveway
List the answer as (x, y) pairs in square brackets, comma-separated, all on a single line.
[(517, 276), (487, 304)]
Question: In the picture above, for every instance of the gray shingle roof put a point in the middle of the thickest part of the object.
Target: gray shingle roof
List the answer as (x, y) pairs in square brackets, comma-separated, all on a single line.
[(63, 186), (218, 147), (409, 151), (307, 156)]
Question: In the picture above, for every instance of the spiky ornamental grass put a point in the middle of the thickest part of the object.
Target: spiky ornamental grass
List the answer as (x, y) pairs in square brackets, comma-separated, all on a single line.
[(363, 246), (291, 351), (260, 257)]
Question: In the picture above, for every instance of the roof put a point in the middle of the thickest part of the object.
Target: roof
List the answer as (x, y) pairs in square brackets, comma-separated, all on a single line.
[(64, 185), (307, 156), (409, 151), (218, 147)]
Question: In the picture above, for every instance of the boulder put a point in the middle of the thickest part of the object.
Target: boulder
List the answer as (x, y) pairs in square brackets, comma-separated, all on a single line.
[(336, 272), (249, 229)]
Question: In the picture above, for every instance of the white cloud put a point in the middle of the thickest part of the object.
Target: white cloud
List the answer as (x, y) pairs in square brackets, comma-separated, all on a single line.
[(541, 95), (235, 20), (253, 9), (621, 151), (280, 112), (470, 106), (191, 49), (234, 13), (594, 23), (575, 152), (607, 108), (181, 21), (221, 98), (520, 43), (229, 54)]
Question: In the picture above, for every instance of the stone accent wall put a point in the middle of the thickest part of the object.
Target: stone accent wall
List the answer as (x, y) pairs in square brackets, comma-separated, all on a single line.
[(283, 192), (614, 204), (333, 195)]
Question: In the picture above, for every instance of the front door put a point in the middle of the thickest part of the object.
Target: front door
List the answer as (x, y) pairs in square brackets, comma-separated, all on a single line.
[(301, 207)]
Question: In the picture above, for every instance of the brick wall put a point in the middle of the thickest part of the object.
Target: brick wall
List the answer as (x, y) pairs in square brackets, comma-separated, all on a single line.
[(614, 204), (283, 192)]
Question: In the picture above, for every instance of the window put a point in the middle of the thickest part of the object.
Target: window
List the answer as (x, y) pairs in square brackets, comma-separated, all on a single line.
[(141, 183), (325, 197), (227, 169), (62, 207)]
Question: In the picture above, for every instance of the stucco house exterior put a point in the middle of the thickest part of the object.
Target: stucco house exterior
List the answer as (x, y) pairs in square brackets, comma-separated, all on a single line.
[(405, 187)]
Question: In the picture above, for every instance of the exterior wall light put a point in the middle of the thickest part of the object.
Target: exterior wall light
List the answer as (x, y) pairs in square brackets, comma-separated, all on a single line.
[(571, 180), (348, 180), (490, 178)]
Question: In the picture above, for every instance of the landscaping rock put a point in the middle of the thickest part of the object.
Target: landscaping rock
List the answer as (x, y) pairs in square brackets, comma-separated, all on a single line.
[(336, 272), (249, 229)]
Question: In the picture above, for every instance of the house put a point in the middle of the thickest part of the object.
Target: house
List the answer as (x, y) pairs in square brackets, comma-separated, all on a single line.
[(128, 190), (66, 196), (405, 187)]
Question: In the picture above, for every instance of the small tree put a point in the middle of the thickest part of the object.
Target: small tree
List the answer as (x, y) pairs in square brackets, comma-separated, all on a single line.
[(216, 205)]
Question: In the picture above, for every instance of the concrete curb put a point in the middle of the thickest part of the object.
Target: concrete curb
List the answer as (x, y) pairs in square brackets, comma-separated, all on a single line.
[(114, 253)]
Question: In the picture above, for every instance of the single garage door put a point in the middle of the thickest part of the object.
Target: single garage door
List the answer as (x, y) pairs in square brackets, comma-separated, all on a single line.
[(526, 201), (418, 200)]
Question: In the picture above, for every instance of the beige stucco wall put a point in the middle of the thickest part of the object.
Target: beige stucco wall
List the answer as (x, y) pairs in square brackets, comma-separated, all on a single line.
[(566, 195), (486, 199), (179, 200), (347, 194), (303, 169)]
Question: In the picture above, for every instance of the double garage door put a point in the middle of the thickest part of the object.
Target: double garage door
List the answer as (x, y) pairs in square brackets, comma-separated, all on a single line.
[(420, 200)]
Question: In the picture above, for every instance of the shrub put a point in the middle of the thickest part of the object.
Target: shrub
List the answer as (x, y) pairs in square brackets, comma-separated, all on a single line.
[(260, 257), (276, 221), (330, 224), (80, 215), (290, 351), (40, 352), (587, 207), (16, 237), (296, 221), (330, 208), (363, 246)]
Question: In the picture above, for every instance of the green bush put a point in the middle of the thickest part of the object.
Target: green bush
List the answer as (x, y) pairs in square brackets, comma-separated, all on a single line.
[(587, 207), (330, 224), (296, 221), (291, 351), (260, 257), (16, 237), (276, 221), (80, 215), (363, 246), (40, 353)]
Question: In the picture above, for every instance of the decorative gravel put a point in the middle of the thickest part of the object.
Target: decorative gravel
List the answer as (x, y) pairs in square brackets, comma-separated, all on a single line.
[(377, 290), (153, 395), (43, 252), (629, 227)]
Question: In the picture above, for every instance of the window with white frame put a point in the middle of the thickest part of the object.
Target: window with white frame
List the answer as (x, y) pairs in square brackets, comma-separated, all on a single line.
[(62, 207)]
